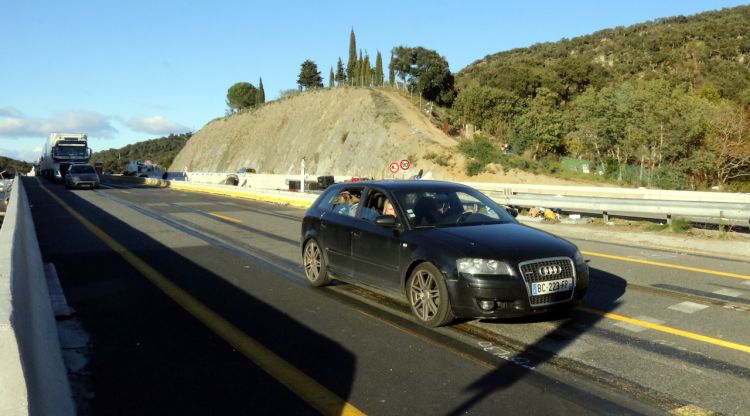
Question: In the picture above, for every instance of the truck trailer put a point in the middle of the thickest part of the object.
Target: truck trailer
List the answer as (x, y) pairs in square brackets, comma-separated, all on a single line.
[(62, 150)]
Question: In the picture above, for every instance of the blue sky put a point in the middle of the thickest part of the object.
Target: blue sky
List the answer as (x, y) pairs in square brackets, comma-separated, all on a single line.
[(129, 71)]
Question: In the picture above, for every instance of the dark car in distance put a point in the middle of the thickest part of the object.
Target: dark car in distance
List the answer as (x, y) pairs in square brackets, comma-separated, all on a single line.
[(81, 175), (447, 248)]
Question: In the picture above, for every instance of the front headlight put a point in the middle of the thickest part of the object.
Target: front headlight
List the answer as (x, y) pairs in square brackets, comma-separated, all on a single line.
[(483, 266)]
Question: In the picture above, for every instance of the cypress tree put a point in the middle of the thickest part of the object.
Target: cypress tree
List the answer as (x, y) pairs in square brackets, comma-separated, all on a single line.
[(330, 78), (391, 72), (366, 72), (260, 98), (351, 65), (360, 69), (378, 76), (340, 74)]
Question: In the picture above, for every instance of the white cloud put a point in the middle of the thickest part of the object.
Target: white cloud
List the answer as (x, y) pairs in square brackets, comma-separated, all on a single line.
[(14, 125), (156, 125)]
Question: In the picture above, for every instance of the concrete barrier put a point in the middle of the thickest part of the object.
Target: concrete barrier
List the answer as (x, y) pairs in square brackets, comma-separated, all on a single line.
[(34, 380), (297, 199)]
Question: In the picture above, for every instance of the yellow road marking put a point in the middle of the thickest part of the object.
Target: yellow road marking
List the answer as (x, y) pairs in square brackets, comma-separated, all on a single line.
[(224, 217), (309, 390), (668, 330), (668, 265), (691, 410)]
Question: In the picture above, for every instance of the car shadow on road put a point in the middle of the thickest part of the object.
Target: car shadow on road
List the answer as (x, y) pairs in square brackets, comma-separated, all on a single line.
[(605, 291), (151, 354)]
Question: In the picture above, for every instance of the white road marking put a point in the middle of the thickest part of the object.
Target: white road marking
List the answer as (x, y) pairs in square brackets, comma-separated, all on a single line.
[(637, 328), (688, 307), (728, 292)]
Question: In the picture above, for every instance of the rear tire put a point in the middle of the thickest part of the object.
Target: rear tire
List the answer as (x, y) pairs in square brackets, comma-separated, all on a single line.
[(428, 296), (314, 263)]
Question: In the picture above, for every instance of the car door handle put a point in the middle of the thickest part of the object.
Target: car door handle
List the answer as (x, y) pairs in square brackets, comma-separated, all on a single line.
[(323, 224), (356, 233)]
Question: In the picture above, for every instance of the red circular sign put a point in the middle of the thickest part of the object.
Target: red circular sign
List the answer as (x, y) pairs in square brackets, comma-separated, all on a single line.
[(405, 164), (393, 167)]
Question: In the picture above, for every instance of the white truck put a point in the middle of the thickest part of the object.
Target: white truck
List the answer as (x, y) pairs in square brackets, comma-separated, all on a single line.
[(146, 169), (62, 150)]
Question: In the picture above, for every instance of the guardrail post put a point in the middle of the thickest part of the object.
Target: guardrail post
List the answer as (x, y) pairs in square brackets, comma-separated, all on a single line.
[(605, 217), (669, 219)]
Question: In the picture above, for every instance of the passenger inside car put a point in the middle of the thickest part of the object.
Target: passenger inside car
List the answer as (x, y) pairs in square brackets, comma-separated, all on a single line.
[(376, 205), (345, 203)]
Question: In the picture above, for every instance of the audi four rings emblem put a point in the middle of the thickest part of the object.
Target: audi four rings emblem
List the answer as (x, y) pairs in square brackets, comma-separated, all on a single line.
[(549, 270)]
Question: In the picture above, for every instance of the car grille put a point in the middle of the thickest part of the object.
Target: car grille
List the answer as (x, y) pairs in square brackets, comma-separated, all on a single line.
[(562, 268)]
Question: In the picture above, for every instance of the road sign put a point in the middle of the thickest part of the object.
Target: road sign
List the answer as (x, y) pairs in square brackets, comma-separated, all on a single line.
[(405, 164), (393, 167)]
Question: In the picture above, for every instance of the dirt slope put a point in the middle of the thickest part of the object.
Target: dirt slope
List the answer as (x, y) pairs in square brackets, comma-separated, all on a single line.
[(342, 131)]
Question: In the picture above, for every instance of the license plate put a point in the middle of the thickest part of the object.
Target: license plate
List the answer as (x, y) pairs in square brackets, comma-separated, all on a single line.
[(553, 286)]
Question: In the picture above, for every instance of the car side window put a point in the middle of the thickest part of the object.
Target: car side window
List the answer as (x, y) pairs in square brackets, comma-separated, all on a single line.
[(376, 205), (344, 202)]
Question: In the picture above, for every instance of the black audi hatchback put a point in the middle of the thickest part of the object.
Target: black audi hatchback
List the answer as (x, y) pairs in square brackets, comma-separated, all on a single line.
[(448, 248)]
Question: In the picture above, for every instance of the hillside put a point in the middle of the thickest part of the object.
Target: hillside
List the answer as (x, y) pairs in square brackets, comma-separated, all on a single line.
[(342, 131), (161, 151), (10, 166), (710, 48), (662, 104)]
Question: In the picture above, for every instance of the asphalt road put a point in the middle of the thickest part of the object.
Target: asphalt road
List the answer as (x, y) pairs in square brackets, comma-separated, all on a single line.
[(197, 304)]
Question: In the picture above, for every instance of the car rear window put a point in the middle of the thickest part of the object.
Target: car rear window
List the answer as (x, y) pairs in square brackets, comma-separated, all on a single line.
[(81, 169)]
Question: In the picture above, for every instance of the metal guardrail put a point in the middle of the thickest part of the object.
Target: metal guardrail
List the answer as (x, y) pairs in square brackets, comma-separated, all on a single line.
[(708, 207), (708, 212)]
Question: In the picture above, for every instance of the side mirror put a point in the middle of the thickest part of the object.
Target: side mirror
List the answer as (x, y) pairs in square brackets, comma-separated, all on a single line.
[(512, 211), (387, 221)]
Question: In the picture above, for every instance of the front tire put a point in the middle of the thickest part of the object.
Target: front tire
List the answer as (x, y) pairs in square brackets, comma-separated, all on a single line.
[(428, 296), (315, 264)]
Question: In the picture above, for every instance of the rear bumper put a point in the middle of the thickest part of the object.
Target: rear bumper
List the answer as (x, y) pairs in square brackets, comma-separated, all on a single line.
[(82, 184)]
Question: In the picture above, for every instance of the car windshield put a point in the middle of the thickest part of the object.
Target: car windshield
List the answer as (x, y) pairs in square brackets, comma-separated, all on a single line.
[(450, 208), (71, 151), (81, 169)]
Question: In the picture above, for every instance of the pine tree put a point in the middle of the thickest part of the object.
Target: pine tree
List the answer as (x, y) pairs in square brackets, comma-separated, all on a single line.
[(340, 74), (260, 98), (351, 65), (330, 78), (378, 76), (240, 96), (309, 76)]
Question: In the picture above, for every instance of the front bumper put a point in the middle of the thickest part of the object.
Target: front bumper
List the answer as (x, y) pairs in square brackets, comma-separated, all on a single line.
[(508, 295)]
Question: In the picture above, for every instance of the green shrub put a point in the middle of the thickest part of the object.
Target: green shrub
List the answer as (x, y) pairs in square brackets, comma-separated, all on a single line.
[(439, 159), (679, 225), (480, 152)]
